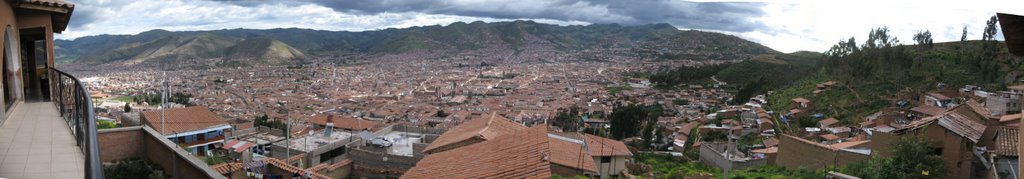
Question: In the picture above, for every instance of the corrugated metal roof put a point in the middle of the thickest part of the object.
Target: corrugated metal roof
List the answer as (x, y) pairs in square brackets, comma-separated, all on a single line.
[(962, 126)]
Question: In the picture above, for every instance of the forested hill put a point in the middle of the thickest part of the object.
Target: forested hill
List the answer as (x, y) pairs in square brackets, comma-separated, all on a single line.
[(282, 46), (875, 75)]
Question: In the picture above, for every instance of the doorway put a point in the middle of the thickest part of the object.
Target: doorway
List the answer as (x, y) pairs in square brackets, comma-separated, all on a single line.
[(34, 50)]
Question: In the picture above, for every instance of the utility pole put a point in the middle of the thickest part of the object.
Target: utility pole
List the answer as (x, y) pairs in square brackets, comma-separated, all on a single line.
[(163, 102), (287, 137), (728, 140)]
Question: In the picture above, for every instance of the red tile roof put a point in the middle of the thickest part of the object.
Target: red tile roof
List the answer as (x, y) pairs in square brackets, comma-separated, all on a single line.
[(929, 110), (828, 122), (849, 144), (293, 169), (570, 154), (62, 10), (801, 100), (227, 168), (769, 150), (344, 122), (1006, 141), (1010, 118), (829, 137), (179, 120), (600, 146), (484, 129), (939, 96), (524, 154)]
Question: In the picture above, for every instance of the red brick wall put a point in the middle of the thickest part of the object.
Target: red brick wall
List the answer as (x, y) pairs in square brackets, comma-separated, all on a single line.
[(119, 145), (955, 150), (794, 153), (123, 143)]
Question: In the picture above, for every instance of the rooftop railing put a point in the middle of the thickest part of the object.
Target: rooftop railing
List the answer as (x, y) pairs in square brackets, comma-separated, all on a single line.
[(75, 105)]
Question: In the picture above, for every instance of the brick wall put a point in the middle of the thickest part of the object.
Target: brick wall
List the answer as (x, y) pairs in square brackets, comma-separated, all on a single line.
[(796, 153), (119, 144), (145, 143)]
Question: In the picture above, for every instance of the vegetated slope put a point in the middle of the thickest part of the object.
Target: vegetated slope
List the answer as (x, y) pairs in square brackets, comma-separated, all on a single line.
[(871, 79), (655, 41), (697, 45), (777, 69)]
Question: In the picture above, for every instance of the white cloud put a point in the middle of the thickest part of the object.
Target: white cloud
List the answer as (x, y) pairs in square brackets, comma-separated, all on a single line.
[(816, 25), (133, 17), (787, 27)]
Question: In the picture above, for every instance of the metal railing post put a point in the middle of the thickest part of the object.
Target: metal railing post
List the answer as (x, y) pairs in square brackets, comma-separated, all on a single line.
[(75, 106)]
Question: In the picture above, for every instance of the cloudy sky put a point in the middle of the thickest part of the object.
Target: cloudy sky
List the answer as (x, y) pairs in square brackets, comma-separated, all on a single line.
[(787, 27)]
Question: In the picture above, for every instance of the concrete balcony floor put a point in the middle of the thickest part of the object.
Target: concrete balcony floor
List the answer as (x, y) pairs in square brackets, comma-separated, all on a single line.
[(35, 142)]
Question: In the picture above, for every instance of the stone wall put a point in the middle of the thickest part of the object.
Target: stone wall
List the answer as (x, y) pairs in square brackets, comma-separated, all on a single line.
[(710, 153)]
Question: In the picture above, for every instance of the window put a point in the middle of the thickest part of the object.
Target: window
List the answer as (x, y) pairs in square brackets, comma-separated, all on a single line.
[(606, 159), (935, 151), (10, 69), (327, 156)]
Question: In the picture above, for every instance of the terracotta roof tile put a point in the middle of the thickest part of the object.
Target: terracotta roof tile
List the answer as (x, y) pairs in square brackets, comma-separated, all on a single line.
[(571, 154), (484, 129), (296, 170), (1010, 117), (179, 120), (344, 122), (828, 122), (769, 150), (801, 100), (849, 144), (1006, 142), (523, 154), (227, 168), (929, 110), (829, 137), (600, 146)]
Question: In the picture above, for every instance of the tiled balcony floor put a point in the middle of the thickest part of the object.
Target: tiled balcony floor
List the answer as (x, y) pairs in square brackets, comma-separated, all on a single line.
[(36, 143)]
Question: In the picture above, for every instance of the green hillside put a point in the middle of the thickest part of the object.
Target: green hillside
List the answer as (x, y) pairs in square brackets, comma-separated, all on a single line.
[(265, 50), (654, 41), (870, 79), (778, 69)]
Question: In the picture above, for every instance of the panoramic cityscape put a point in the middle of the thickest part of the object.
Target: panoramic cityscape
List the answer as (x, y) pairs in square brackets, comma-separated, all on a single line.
[(508, 89)]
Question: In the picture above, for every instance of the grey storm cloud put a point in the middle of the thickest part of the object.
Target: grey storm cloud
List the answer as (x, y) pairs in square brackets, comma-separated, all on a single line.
[(724, 16)]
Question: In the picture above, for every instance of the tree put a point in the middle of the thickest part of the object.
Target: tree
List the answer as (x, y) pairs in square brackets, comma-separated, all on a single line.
[(963, 38), (879, 37), (843, 48), (568, 119), (990, 29), (924, 39), (648, 133), (127, 107), (626, 121), (912, 156)]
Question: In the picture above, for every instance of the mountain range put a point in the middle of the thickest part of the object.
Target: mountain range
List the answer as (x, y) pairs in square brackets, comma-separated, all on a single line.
[(284, 46)]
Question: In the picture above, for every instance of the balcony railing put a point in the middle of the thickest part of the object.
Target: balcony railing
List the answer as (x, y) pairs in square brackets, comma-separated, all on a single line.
[(75, 105)]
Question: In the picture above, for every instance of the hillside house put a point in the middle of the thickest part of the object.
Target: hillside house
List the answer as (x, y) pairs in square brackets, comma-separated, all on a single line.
[(937, 100), (196, 128), (801, 102), (955, 135), (828, 123)]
